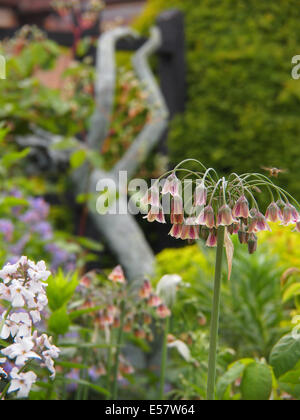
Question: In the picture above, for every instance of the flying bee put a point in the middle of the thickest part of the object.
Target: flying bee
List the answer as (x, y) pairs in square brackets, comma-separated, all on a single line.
[(274, 172)]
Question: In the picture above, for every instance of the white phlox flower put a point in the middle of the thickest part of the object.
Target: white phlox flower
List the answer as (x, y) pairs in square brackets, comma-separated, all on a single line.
[(16, 325), (21, 382), (21, 350)]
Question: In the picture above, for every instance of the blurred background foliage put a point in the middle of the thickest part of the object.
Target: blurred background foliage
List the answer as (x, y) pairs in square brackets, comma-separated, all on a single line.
[(241, 96), (241, 114)]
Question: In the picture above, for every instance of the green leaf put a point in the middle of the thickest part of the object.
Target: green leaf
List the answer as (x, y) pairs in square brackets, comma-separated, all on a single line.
[(285, 355), (78, 158), (229, 378), (90, 244), (257, 382), (13, 202), (59, 321), (12, 158), (61, 289), (70, 365)]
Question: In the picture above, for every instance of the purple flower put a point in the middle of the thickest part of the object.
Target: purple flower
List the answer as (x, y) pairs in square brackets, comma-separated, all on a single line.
[(60, 257), (7, 228), (44, 229), (39, 211)]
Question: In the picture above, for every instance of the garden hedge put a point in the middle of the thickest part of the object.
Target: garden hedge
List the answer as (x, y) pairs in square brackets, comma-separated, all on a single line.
[(243, 109)]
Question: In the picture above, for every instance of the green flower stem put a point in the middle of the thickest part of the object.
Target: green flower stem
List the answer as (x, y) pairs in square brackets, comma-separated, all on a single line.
[(215, 317), (164, 359), (108, 367), (117, 355)]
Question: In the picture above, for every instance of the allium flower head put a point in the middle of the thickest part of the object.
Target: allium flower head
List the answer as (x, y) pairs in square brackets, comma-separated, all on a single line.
[(202, 203)]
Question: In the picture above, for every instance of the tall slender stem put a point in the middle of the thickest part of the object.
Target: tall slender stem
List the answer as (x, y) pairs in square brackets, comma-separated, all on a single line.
[(164, 360), (117, 355), (215, 317)]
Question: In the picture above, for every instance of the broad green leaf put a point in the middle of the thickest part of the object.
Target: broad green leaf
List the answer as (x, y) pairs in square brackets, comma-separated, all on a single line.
[(59, 321), (61, 289), (285, 355), (257, 382), (229, 378)]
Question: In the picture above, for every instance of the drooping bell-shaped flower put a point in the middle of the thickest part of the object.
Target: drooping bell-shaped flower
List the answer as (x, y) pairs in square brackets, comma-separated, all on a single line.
[(189, 232), (289, 214), (163, 311), (172, 185), (151, 197), (241, 208), (177, 212), (212, 238), (209, 217), (225, 216), (258, 223), (273, 213), (155, 214), (176, 230), (200, 194)]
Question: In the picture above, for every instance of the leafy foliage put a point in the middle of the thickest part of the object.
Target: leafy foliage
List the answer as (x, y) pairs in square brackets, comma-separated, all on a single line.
[(241, 97), (251, 302)]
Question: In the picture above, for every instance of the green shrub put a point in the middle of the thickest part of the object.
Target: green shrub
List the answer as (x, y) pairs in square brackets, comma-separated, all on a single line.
[(243, 105)]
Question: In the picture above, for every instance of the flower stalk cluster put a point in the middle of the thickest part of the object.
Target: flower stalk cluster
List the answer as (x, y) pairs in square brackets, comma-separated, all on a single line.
[(201, 202), (23, 295)]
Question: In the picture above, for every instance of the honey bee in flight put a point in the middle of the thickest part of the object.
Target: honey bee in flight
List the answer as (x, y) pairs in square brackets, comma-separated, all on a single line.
[(274, 172)]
